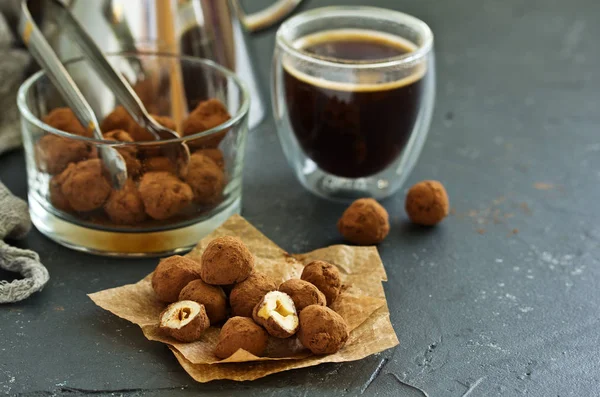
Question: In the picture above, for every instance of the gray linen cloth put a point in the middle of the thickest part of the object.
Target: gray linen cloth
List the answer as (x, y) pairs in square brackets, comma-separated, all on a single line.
[(12, 64), (14, 215)]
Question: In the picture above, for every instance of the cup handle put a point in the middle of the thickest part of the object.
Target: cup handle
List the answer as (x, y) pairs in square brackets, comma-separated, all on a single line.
[(267, 17)]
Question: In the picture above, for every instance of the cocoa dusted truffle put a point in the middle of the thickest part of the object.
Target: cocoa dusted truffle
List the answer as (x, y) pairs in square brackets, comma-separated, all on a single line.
[(129, 153), (171, 275), (324, 276), (364, 222), (205, 178), (65, 120), (208, 114), (322, 330), (212, 297), (245, 295), (84, 185), (184, 321), (277, 314), (303, 293), (241, 333), (164, 195), (215, 155), (139, 133), (226, 260), (125, 206), (158, 163), (118, 119), (427, 203), (57, 198), (54, 153)]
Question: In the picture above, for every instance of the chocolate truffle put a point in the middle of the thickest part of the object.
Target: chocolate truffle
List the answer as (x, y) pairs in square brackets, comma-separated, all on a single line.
[(125, 206), (325, 277), (139, 133), (171, 275), (215, 155), (245, 295), (211, 296), (322, 330), (129, 153), (365, 222), (164, 195), (427, 203), (184, 321), (54, 153), (226, 260), (208, 114), (206, 179), (84, 185), (158, 163), (65, 120), (277, 314), (118, 119), (303, 293), (241, 333), (57, 198)]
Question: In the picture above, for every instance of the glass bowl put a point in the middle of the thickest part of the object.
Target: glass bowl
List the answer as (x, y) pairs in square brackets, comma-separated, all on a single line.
[(70, 200)]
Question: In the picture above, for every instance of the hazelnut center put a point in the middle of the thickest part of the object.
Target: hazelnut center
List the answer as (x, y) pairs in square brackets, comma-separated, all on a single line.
[(184, 313), (281, 309)]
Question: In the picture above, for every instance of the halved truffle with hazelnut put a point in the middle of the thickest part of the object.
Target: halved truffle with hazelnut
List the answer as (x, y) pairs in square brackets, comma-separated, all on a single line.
[(245, 295), (277, 314), (427, 203), (164, 195), (241, 333), (171, 275), (322, 330), (226, 260), (184, 321), (211, 296), (364, 222), (84, 185), (125, 206), (205, 178), (324, 276), (303, 293)]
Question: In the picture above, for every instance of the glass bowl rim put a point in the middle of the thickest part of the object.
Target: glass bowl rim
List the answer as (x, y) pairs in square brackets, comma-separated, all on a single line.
[(241, 113), (332, 11)]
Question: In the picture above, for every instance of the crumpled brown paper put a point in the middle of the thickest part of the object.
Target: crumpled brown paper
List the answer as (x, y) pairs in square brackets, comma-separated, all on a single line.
[(362, 304)]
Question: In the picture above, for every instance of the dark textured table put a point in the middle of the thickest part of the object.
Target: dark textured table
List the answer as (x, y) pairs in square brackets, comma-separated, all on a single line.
[(501, 299)]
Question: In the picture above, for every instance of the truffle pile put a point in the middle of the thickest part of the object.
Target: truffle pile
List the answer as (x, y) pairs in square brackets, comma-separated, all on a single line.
[(260, 308), (154, 191)]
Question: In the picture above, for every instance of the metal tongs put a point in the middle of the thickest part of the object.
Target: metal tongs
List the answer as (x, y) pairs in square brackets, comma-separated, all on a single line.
[(42, 51)]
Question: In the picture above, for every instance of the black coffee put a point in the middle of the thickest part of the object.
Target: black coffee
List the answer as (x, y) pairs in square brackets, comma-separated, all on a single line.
[(352, 130)]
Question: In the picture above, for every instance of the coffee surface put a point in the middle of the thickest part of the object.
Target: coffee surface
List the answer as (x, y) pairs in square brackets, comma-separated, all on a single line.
[(352, 129)]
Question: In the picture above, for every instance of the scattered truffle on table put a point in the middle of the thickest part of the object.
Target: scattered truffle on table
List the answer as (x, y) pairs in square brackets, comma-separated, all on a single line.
[(164, 194), (205, 178), (322, 330), (125, 206), (246, 294), (84, 185), (171, 275), (365, 222), (324, 276), (241, 333), (226, 260), (211, 296), (427, 203), (303, 293), (184, 321)]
